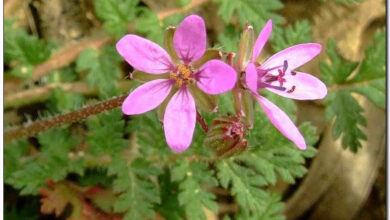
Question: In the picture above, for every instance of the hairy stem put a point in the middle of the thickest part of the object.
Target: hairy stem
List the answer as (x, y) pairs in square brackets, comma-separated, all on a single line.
[(71, 117)]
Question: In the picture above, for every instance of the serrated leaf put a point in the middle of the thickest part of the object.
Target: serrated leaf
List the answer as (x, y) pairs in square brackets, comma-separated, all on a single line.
[(192, 196), (149, 24), (269, 155), (299, 32), (20, 46), (169, 191), (52, 163), (339, 68), (106, 133), (116, 14), (12, 154), (138, 194), (101, 68), (228, 40), (369, 79), (244, 187), (61, 101), (348, 120), (372, 73), (255, 12)]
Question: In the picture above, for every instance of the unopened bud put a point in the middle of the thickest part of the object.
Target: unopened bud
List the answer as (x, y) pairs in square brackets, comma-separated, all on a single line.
[(245, 48), (226, 136)]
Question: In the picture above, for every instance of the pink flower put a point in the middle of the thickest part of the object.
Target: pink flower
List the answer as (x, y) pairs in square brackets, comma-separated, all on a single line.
[(213, 77), (277, 75)]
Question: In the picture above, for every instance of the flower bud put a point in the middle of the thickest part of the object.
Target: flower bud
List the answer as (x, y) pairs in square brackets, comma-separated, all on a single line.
[(248, 109), (168, 43), (245, 48), (226, 136)]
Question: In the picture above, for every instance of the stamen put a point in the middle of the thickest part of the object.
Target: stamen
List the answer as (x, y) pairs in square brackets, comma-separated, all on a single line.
[(293, 73), (291, 90), (182, 75), (265, 85), (285, 66)]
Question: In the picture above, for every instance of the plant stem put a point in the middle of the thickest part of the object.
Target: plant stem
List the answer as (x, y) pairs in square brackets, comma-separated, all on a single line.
[(202, 122), (71, 117)]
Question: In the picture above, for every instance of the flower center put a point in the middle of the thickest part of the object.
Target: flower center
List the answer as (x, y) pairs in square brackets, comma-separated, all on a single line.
[(266, 78), (182, 76)]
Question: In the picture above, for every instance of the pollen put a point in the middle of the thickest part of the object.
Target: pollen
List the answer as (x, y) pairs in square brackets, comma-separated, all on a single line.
[(291, 90), (182, 76), (184, 70)]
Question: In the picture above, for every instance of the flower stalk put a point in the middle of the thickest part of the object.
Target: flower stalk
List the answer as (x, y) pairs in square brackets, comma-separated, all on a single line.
[(67, 118)]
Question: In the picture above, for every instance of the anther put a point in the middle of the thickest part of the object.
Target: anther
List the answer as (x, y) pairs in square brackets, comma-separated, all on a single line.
[(291, 90), (285, 66), (293, 73)]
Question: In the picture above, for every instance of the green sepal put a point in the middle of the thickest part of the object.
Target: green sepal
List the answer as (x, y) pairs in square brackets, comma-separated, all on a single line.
[(204, 101), (248, 109), (168, 43), (245, 48), (210, 54), (146, 77), (161, 108)]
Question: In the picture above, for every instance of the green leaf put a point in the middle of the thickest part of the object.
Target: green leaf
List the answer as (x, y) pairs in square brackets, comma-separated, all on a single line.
[(149, 24), (269, 155), (372, 73), (229, 39), (245, 184), (22, 47), (298, 33), (95, 176), (368, 79), (192, 196), (255, 12), (116, 14), (12, 154), (150, 135), (52, 163), (101, 68), (61, 101), (272, 211), (22, 51), (349, 119), (169, 191), (339, 68), (138, 194), (106, 133)]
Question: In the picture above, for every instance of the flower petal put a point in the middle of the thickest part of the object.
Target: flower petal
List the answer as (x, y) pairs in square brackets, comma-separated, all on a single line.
[(143, 54), (262, 39), (190, 38), (251, 77), (146, 97), (180, 120), (306, 87), (216, 77), (282, 122), (296, 56)]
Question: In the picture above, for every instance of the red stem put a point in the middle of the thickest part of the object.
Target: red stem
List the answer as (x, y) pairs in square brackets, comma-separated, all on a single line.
[(202, 122)]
